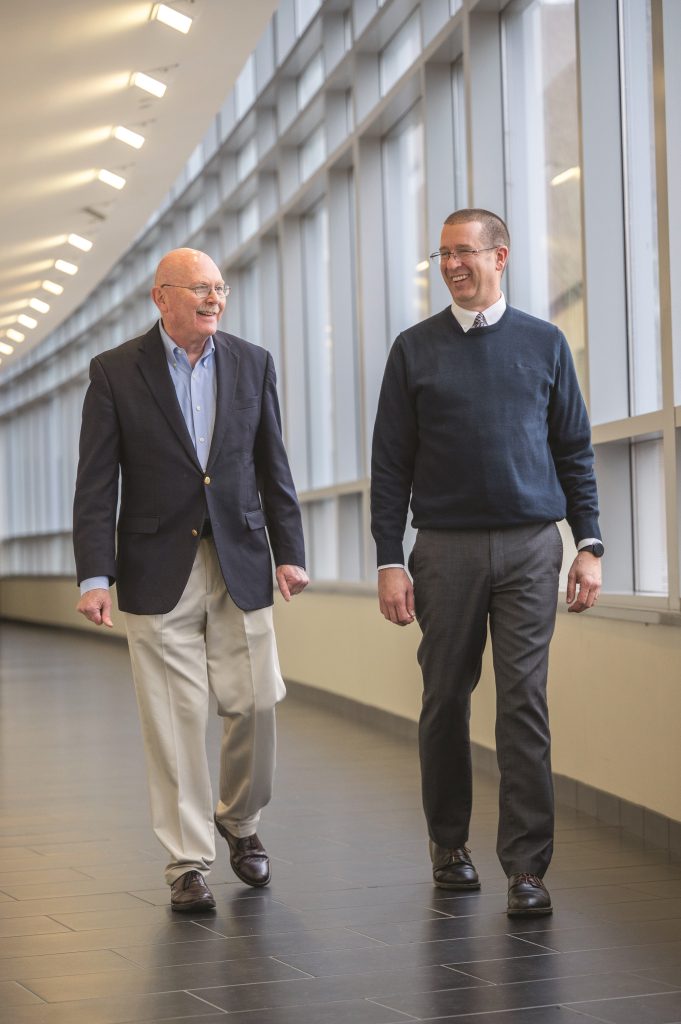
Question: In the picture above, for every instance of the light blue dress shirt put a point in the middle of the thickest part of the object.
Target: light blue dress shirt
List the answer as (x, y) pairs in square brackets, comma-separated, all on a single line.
[(197, 391)]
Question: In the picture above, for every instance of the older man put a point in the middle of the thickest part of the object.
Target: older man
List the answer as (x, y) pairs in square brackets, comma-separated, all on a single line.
[(481, 422), (188, 418)]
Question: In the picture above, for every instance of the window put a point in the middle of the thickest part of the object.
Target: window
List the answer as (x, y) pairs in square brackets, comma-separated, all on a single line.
[(246, 159), (248, 220), (399, 53), (543, 166), (312, 153), (318, 346), (310, 79), (645, 382), (404, 217)]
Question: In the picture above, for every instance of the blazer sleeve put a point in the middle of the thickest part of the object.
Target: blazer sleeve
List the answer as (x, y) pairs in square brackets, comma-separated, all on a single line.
[(275, 483), (96, 495)]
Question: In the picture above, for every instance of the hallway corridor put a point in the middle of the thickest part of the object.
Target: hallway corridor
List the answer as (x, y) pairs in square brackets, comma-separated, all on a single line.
[(351, 930)]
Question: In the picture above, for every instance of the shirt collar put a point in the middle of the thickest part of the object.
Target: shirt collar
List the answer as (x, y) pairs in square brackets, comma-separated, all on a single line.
[(175, 351), (492, 314)]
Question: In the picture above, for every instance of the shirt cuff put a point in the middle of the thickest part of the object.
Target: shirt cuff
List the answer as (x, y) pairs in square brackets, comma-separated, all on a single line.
[(391, 565), (94, 583), (588, 542)]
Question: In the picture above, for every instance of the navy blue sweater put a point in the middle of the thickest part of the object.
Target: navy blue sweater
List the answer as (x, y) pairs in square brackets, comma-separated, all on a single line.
[(484, 430)]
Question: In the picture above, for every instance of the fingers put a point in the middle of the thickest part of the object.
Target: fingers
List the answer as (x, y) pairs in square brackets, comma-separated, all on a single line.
[(396, 599), (283, 586), (587, 595), (95, 605), (571, 586), (291, 580)]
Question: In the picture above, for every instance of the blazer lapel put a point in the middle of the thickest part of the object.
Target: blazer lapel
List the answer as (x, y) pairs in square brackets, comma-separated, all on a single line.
[(227, 370), (153, 366)]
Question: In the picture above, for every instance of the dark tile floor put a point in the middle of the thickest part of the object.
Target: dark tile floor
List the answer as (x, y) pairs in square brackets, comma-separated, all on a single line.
[(350, 931)]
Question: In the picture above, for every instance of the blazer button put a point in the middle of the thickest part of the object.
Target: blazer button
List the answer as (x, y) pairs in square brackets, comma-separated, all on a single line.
[(195, 533), (206, 479)]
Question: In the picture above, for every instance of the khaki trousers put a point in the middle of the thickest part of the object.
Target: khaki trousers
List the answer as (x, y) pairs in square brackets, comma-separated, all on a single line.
[(206, 643)]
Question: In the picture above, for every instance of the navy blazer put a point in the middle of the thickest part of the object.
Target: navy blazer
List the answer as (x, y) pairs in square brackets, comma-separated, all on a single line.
[(133, 427)]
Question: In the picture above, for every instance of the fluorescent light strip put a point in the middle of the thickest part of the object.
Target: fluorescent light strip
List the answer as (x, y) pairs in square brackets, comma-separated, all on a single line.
[(15, 335), (148, 83), (27, 321), (129, 137), (109, 178), (39, 305), (170, 17), (65, 267), (78, 242), (52, 288), (6, 349)]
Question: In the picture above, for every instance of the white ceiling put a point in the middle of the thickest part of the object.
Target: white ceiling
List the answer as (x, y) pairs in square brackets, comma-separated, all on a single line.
[(64, 79)]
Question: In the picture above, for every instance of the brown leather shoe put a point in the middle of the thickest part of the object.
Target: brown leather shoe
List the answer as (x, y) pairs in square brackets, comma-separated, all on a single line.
[(527, 896), (189, 893), (248, 857), (453, 869)]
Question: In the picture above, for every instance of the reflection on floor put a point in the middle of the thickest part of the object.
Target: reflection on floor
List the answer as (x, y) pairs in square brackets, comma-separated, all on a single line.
[(350, 930)]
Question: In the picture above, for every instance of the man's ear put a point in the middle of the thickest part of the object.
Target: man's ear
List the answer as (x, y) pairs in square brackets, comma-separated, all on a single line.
[(158, 298)]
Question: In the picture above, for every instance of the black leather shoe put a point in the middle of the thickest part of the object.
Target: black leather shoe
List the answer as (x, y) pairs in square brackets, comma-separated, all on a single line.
[(248, 857), (453, 869), (527, 896), (189, 893)]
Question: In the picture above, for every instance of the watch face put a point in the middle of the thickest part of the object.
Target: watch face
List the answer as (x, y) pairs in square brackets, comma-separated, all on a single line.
[(597, 549)]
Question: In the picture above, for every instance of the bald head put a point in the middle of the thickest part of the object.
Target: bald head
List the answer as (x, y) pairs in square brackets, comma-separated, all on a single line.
[(184, 264), (190, 318)]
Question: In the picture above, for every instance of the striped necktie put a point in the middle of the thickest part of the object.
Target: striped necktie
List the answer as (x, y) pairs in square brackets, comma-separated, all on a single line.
[(479, 320)]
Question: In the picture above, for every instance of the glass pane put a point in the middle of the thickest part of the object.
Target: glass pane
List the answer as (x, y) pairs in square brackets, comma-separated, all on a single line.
[(641, 201), (249, 304), (310, 79), (542, 166), (399, 53), (318, 346), (459, 113), (649, 517), (312, 153), (322, 540), (404, 218), (350, 538)]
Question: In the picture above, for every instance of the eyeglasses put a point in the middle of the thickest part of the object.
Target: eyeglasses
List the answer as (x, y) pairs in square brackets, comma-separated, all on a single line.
[(459, 254), (202, 291)]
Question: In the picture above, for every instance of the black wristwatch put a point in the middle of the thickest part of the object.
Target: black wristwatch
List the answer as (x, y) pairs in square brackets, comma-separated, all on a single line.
[(596, 549)]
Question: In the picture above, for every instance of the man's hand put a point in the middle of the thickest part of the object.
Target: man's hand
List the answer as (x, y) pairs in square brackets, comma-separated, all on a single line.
[(95, 605), (396, 596), (291, 580), (584, 582)]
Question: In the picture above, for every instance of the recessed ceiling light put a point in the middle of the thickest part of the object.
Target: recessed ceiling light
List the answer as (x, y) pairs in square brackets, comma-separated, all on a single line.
[(172, 18), (39, 305), (78, 242), (109, 178), (52, 288), (148, 83), (65, 267), (6, 349), (130, 138), (571, 174), (26, 321), (15, 335)]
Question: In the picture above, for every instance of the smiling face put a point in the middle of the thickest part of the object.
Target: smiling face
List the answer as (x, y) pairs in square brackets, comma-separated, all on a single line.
[(188, 319), (474, 282)]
